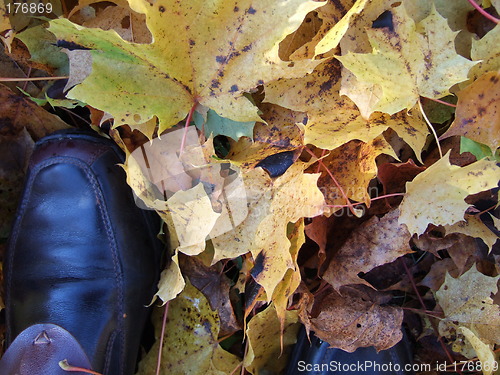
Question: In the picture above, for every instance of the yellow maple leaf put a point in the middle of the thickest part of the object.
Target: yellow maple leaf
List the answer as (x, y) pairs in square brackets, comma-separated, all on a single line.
[(356, 40), (334, 120), (484, 352), (207, 53), (437, 195), (272, 204), (478, 112), (409, 61), (286, 287), (264, 344), (466, 302), (487, 51), (333, 36)]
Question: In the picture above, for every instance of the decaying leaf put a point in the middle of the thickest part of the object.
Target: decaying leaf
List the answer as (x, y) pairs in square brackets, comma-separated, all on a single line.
[(264, 345), (435, 278), (130, 25), (474, 227), (478, 111), (187, 64), (332, 37), (17, 113), (286, 287), (354, 319), (465, 252), (4, 17), (409, 60), (317, 231), (484, 353), (282, 133), (215, 287), (373, 243), (394, 176), (437, 195)]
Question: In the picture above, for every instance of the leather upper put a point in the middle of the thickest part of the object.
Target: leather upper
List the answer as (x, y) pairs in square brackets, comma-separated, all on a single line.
[(82, 255)]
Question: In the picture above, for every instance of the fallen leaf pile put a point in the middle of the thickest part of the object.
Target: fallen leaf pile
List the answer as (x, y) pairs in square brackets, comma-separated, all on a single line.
[(331, 163)]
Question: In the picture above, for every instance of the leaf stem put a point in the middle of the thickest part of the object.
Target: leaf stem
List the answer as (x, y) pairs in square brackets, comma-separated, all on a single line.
[(371, 199), (442, 102), (483, 12), (431, 127), (65, 366), (188, 121), (10, 79), (162, 335)]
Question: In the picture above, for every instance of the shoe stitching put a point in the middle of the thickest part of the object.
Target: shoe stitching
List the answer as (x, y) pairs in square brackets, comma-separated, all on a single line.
[(110, 233)]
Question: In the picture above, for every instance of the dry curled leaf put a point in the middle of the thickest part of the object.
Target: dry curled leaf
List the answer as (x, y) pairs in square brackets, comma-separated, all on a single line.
[(354, 319), (373, 243)]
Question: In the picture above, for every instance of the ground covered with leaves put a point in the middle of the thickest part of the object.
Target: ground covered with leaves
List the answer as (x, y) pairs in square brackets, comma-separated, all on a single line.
[(332, 164)]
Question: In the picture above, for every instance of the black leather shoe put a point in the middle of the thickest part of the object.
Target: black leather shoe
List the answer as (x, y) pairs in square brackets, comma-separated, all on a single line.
[(81, 254), (318, 359)]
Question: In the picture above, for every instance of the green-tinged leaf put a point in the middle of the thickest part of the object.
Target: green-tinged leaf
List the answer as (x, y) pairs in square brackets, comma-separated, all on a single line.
[(477, 149), (216, 125), (186, 63), (42, 46)]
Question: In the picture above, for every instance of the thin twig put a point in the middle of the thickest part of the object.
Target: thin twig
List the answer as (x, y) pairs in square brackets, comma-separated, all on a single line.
[(26, 83), (236, 368), (162, 335), (442, 102), (431, 127), (188, 121), (371, 199), (71, 113), (319, 165), (425, 312), (483, 12), (10, 79)]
